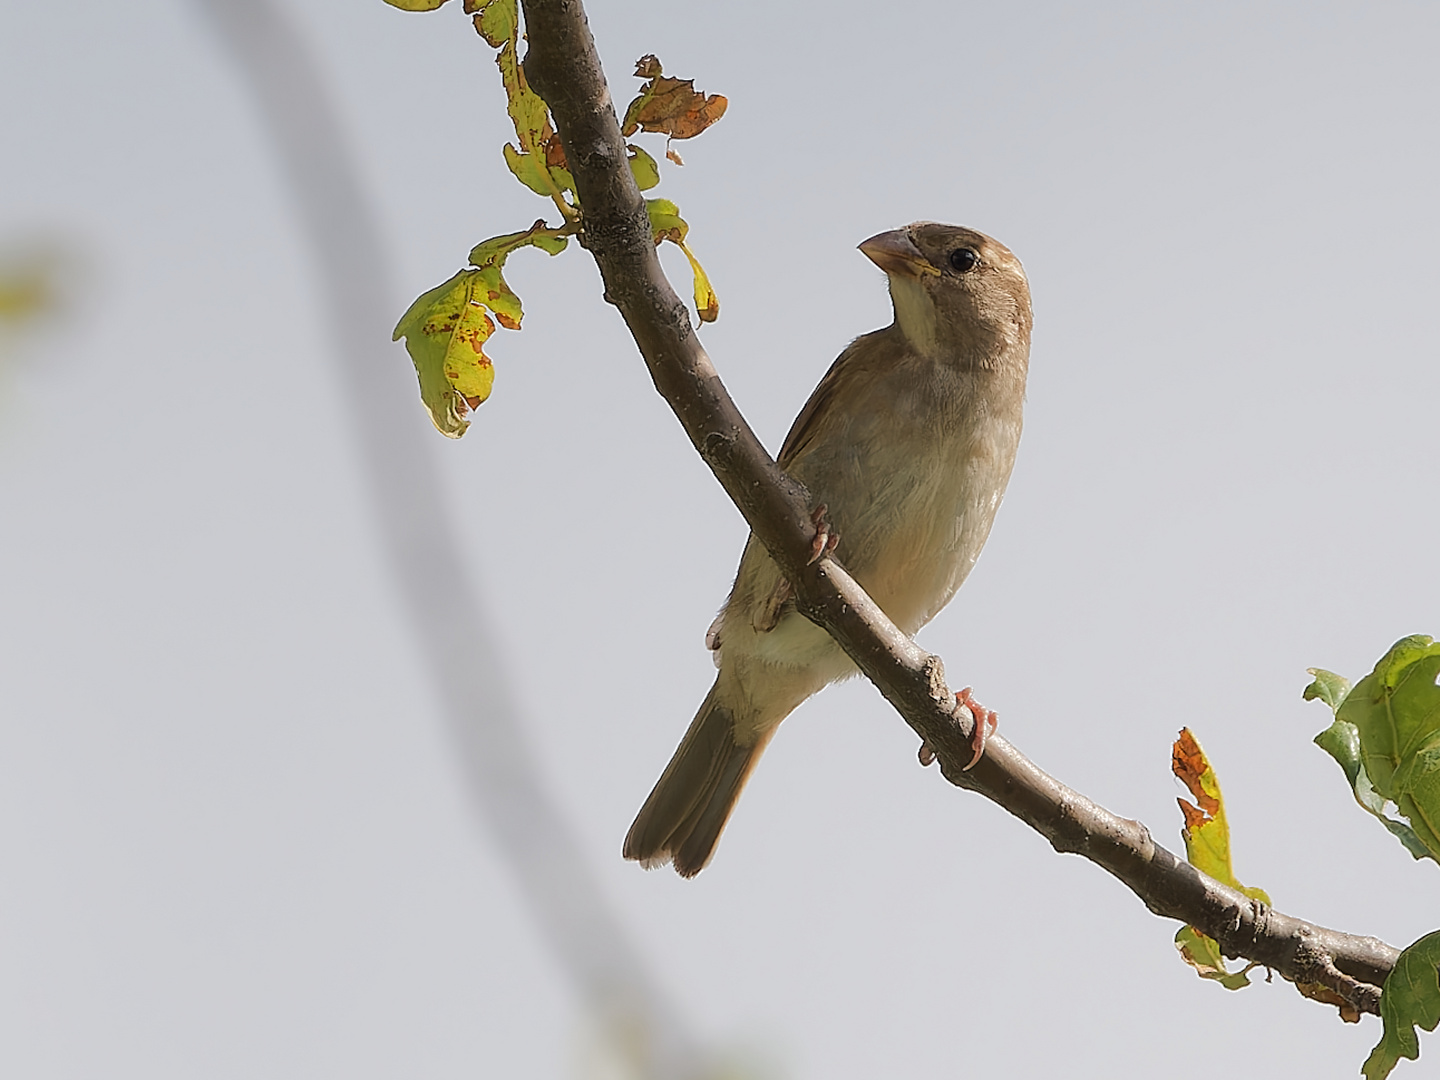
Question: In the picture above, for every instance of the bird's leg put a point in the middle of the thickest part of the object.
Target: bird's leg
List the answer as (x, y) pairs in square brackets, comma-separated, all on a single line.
[(767, 615), (986, 721), (825, 539)]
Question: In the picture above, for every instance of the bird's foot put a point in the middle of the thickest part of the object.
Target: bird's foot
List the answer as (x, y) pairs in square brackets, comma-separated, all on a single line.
[(927, 755), (825, 538), (986, 721)]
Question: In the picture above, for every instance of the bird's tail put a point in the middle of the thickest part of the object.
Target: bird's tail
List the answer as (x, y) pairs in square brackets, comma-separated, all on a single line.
[(682, 819)]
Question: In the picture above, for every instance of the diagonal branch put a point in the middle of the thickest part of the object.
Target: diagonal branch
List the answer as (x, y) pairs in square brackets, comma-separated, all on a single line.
[(564, 69)]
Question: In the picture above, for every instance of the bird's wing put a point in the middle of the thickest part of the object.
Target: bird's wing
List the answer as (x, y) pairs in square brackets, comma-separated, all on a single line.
[(855, 366)]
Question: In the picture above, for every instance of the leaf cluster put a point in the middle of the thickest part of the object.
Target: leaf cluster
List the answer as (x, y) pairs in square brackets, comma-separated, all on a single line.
[(1410, 999), (445, 329), (1386, 739)]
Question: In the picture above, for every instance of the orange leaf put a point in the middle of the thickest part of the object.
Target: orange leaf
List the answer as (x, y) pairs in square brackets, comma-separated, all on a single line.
[(1189, 765), (670, 106)]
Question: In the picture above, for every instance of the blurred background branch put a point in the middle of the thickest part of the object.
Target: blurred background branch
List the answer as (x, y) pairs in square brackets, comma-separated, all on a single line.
[(423, 552)]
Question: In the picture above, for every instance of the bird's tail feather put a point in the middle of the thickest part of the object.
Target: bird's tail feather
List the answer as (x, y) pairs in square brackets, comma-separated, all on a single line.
[(682, 819)]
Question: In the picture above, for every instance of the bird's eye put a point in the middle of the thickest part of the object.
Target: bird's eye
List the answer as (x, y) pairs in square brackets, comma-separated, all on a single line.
[(963, 260)]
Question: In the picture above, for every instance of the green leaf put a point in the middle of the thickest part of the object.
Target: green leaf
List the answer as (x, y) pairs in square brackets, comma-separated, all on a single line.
[(1419, 782), (497, 249), (1203, 954), (1396, 709), (536, 158), (563, 178), (665, 220), (1328, 687), (1409, 999), (1386, 738), (444, 331), (415, 5), (642, 167), (551, 241), (496, 21), (1341, 740), (527, 109), (530, 170)]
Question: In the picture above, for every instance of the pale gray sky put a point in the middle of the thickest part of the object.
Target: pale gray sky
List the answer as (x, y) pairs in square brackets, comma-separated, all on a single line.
[(235, 840)]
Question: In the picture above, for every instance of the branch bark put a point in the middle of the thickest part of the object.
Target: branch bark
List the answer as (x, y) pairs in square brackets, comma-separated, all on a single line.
[(564, 69)]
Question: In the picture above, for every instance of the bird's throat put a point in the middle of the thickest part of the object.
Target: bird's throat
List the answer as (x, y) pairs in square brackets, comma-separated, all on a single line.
[(915, 313)]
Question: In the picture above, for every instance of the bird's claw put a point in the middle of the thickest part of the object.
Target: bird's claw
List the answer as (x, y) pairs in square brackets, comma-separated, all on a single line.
[(927, 755), (986, 721), (825, 538)]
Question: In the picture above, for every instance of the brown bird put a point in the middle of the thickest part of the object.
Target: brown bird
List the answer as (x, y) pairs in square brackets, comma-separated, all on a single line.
[(908, 441)]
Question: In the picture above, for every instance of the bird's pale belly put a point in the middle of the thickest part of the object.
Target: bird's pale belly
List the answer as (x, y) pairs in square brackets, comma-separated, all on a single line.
[(911, 569)]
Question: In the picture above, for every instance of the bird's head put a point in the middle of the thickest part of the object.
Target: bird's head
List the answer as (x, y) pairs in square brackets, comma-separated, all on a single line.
[(958, 293)]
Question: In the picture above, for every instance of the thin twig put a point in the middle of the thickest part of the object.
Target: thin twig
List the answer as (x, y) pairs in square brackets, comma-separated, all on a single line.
[(564, 69)]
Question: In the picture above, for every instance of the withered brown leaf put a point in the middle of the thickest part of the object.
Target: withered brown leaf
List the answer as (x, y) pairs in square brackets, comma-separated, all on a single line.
[(670, 106)]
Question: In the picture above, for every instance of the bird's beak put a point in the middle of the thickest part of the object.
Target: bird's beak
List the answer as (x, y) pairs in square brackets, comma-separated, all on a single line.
[(895, 253)]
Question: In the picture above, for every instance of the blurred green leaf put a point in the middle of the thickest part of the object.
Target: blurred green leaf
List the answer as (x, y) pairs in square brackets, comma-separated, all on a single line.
[(415, 5), (1409, 999), (27, 290)]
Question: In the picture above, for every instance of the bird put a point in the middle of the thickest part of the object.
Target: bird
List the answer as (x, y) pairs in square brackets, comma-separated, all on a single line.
[(906, 446)]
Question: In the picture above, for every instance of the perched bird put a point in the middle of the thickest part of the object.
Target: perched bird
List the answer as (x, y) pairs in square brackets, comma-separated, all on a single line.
[(908, 441)]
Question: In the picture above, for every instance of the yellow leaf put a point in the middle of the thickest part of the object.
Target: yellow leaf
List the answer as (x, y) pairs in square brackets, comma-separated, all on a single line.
[(445, 331), (495, 20), (667, 224), (530, 170), (707, 304), (642, 167), (1207, 846), (1203, 954), (1206, 832)]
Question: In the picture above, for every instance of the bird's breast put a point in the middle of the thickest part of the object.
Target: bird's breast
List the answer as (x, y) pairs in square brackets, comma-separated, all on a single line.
[(913, 492)]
